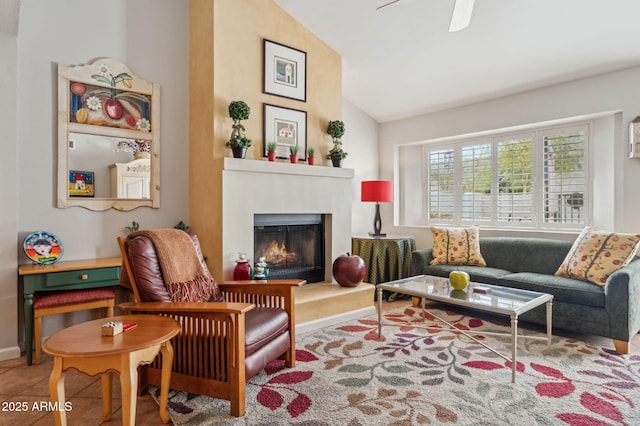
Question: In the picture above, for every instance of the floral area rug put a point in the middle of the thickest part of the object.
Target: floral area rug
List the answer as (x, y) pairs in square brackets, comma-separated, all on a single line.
[(346, 375)]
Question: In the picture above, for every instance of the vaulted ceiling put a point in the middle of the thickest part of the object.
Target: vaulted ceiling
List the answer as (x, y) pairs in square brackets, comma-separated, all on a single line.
[(402, 61)]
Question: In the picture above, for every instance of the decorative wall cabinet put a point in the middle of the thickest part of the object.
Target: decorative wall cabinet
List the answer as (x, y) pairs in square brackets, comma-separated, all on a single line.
[(131, 180), (106, 113)]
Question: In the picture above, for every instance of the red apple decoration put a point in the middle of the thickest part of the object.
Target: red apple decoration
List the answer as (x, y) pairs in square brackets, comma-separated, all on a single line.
[(113, 108), (349, 270)]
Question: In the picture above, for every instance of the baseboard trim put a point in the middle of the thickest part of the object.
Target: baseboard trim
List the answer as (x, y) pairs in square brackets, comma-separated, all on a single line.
[(335, 319), (9, 353)]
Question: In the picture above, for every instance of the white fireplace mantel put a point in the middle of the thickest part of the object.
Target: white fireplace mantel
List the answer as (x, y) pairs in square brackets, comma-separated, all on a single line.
[(251, 187), (283, 168)]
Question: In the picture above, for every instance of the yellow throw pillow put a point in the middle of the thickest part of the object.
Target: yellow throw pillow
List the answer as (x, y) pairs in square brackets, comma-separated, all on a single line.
[(597, 254), (456, 246)]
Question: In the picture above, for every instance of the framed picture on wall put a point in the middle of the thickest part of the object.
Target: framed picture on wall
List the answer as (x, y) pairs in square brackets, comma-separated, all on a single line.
[(287, 128), (81, 184), (285, 71)]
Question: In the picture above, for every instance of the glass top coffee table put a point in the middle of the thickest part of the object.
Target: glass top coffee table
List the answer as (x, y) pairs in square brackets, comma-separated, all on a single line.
[(507, 301)]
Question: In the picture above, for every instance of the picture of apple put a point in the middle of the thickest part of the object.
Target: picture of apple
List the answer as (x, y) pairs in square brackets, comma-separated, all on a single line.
[(113, 108), (459, 279), (349, 270)]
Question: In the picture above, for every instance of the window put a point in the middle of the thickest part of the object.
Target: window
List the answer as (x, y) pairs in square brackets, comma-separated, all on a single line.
[(535, 179)]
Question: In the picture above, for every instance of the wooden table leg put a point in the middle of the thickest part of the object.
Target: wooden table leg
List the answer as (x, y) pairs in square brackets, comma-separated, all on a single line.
[(167, 362), (56, 389), (129, 378), (107, 405), (129, 387)]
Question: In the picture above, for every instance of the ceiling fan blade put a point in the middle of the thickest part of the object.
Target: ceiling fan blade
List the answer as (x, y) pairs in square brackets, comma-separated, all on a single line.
[(461, 16), (387, 4)]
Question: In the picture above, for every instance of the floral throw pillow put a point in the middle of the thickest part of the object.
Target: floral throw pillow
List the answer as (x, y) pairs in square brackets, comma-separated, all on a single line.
[(456, 246), (597, 254)]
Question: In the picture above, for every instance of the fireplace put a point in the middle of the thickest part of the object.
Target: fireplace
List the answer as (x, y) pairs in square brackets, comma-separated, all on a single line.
[(293, 245)]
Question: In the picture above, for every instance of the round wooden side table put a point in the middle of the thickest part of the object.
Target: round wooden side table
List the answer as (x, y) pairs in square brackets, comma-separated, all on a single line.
[(84, 348)]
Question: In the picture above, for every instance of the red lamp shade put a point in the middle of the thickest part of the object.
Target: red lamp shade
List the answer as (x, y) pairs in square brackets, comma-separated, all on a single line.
[(380, 191)]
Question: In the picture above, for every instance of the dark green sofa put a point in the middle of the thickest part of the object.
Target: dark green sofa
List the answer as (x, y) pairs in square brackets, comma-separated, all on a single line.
[(530, 263)]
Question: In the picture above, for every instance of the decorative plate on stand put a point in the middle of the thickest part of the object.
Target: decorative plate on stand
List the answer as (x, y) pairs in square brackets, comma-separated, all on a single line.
[(42, 247)]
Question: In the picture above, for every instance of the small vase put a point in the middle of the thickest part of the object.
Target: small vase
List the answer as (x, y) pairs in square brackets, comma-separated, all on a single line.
[(293, 158), (271, 156), (242, 271), (311, 160), (337, 161), (141, 155), (239, 151)]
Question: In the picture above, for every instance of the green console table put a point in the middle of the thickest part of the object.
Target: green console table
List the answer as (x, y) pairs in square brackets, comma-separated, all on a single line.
[(65, 275)]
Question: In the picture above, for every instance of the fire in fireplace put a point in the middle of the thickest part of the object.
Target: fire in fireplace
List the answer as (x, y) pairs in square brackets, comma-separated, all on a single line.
[(292, 245)]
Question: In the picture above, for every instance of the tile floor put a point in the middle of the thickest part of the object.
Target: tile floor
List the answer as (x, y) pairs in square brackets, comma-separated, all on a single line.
[(22, 384)]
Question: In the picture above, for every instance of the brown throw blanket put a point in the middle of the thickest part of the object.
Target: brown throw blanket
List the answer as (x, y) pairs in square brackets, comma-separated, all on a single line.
[(184, 275)]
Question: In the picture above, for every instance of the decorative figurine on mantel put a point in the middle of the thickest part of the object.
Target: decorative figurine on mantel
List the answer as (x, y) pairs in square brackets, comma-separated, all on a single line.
[(261, 270)]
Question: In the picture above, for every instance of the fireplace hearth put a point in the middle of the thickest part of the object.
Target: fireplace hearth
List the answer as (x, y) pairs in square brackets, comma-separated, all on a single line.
[(293, 245)]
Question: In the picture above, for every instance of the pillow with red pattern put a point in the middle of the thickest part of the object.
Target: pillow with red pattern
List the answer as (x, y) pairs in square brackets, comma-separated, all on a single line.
[(597, 254), (457, 246)]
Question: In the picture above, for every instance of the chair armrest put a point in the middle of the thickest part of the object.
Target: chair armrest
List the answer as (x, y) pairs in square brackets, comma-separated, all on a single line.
[(261, 293), (187, 307), (228, 285)]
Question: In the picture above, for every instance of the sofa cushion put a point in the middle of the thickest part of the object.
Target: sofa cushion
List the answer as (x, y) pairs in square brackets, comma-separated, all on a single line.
[(456, 246), (480, 274), (515, 254), (563, 289), (597, 254)]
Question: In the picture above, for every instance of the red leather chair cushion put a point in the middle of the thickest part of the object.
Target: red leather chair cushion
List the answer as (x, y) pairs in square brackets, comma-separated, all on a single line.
[(262, 325), (51, 299), (145, 266)]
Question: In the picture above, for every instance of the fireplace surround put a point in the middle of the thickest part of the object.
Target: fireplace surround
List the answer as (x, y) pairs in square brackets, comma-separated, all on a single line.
[(291, 244), (252, 188)]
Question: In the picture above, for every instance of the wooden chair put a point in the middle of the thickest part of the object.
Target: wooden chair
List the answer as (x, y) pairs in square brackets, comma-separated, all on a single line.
[(60, 302), (222, 344)]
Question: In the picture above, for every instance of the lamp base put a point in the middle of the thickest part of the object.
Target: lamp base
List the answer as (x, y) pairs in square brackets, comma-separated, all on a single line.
[(373, 234)]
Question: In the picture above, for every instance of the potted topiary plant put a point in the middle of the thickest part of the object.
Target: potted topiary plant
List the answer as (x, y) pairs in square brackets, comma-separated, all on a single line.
[(336, 129), (239, 110), (336, 155), (310, 158), (271, 151), (293, 154)]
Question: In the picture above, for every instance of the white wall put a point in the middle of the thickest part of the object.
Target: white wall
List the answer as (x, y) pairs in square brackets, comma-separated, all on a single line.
[(151, 37), (617, 91), (361, 142), (9, 197)]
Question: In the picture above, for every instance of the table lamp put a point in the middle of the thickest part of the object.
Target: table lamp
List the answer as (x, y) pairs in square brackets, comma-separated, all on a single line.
[(378, 191)]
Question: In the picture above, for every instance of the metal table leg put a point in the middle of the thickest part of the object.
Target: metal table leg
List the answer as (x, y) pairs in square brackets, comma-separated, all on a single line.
[(379, 313), (549, 323), (514, 346)]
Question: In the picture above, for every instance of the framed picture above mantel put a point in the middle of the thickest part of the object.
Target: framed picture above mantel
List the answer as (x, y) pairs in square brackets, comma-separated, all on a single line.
[(285, 71), (287, 128)]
